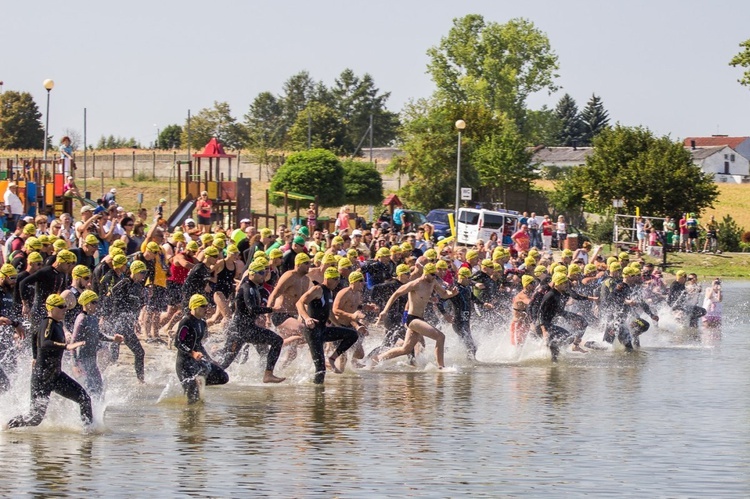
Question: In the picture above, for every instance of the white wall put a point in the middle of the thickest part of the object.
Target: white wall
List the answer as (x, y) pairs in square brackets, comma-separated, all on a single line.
[(715, 163)]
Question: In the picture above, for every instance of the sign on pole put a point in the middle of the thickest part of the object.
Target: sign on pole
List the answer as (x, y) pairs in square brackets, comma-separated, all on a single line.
[(465, 193)]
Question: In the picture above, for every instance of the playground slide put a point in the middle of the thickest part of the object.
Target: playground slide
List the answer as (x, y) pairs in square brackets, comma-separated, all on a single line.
[(181, 213)]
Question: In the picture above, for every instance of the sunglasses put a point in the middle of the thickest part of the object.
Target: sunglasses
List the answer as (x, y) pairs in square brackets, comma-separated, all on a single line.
[(62, 306)]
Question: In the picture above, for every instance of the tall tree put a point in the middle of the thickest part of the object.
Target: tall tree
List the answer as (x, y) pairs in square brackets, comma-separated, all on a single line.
[(20, 122), (170, 137), (355, 99), (503, 161), (743, 60), (215, 122), (497, 65), (324, 126), (541, 127), (298, 91), (571, 128), (594, 119), (652, 173)]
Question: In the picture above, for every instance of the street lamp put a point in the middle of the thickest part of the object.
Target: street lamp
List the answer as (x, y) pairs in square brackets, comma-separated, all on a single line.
[(460, 125), (48, 85)]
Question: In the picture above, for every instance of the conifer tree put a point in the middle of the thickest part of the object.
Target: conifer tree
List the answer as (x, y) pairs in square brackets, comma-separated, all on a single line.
[(571, 127), (594, 119)]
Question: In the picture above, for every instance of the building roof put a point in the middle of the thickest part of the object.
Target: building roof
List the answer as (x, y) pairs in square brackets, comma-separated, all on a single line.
[(561, 154), (701, 153), (715, 140)]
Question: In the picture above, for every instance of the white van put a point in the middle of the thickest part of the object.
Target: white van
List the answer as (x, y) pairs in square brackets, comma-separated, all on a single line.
[(476, 224)]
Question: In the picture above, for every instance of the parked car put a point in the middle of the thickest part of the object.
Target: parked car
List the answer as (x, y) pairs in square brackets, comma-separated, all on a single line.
[(439, 220), (411, 219), (474, 224)]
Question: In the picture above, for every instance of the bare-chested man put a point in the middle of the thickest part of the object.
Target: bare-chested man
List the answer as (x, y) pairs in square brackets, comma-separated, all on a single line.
[(521, 323), (347, 312), (420, 291), (283, 300), (316, 273)]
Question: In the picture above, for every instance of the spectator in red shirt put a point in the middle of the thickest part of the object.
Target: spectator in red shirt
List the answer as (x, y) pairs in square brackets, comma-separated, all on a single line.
[(521, 239)]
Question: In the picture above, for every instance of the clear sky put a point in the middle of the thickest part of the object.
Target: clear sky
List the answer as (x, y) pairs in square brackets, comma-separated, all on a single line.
[(136, 64)]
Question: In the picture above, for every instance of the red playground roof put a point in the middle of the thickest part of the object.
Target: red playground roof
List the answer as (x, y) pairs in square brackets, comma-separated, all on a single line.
[(214, 149)]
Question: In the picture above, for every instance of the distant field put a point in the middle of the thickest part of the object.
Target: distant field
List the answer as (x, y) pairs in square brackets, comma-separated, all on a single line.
[(734, 200)]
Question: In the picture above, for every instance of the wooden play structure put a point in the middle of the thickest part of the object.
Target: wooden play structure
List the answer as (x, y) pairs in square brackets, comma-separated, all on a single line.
[(40, 185)]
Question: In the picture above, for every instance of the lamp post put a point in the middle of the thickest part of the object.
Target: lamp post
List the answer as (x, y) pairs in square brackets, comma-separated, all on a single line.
[(48, 85), (460, 125)]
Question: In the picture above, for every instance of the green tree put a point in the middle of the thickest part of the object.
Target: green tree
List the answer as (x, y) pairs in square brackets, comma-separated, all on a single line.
[(355, 99), (571, 129), (214, 122), (316, 172), (503, 161), (568, 197), (542, 127), (112, 142), (170, 137), (655, 174), (298, 91), (743, 60), (594, 119), (326, 129), (264, 122), (20, 122), (729, 234), (497, 65), (363, 183)]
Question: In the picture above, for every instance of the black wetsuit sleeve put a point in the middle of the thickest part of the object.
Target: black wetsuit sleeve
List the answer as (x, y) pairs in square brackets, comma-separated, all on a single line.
[(25, 286), (185, 338), (576, 296), (547, 309), (251, 298)]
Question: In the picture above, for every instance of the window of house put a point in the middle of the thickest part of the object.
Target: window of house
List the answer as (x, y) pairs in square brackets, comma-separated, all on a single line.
[(726, 167), (731, 158)]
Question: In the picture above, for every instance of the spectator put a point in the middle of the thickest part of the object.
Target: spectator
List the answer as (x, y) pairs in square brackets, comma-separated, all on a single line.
[(312, 217), (66, 156), (536, 237), (110, 198), (547, 233), (13, 205), (562, 231), (159, 210), (205, 208)]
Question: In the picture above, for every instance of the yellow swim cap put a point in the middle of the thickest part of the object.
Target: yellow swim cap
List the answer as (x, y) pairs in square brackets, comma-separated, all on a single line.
[(559, 278), (60, 244), (329, 259), (574, 269), (356, 276), (34, 257), (429, 269), (431, 254), (232, 249), (192, 246), (539, 270), (92, 240), (257, 266), (29, 229), (403, 269), (33, 243), (406, 246), (119, 243), (81, 271), (197, 301), (526, 280), (119, 261), (179, 237), (8, 270), (345, 263), (630, 272), (331, 273), (137, 267), (54, 300), (615, 267), (471, 254), (382, 252), (337, 240), (589, 268), (211, 251), (275, 253), (219, 243), (441, 265), (66, 256), (87, 297), (487, 263), (395, 249), (464, 272), (301, 258)]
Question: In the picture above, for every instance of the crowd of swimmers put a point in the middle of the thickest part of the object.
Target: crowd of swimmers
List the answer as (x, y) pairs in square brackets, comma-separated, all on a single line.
[(293, 288)]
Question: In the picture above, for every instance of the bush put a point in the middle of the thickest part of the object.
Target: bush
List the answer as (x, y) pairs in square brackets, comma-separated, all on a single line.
[(603, 230), (746, 237), (363, 183), (730, 234), (316, 172)]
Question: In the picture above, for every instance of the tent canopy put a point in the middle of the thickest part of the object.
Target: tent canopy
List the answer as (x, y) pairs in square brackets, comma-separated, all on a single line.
[(213, 149)]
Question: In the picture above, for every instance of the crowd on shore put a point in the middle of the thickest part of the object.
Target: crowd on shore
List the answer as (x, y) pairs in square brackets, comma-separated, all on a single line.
[(91, 285)]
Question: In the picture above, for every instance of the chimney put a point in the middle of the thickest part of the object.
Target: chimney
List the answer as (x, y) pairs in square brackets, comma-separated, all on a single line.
[(692, 145)]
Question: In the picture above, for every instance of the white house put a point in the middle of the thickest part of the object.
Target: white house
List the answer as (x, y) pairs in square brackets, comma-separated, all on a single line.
[(739, 144), (726, 164)]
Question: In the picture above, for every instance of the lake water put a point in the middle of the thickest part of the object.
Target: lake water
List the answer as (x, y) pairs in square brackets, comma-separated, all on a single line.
[(671, 420)]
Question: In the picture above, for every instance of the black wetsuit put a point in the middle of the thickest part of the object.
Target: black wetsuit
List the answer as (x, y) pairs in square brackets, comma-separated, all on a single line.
[(677, 300), (189, 338), (127, 301), (225, 281), (195, 283), (320, 309), (44, 282), (552, 307), (9, 309), (97, 275), (72, 313), (243, 329), (393, 322), (462, 305), (618, 313), (86, 328), (83, 259), (47, 377), (376, 273)]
